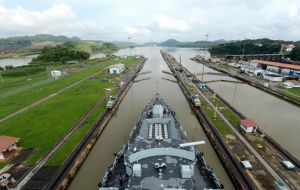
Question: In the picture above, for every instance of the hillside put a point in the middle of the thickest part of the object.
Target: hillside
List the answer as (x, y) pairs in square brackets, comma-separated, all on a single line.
[(255, 46), (25, 45), (90, 46), (196, 44), (31, 44)]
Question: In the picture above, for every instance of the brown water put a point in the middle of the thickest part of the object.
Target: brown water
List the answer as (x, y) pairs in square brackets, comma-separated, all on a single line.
[(118, 129)]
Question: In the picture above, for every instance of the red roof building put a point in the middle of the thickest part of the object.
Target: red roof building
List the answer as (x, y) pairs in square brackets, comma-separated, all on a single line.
[(248, 125), (277, 64), (7, 144)]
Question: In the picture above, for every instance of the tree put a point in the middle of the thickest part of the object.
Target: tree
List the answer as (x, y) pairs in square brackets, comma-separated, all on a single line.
[(295, 54)]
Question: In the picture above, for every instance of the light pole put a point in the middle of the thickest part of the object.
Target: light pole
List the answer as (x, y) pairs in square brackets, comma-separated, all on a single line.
[(204, 60), (244, 49), (129, 38), (106, 95)]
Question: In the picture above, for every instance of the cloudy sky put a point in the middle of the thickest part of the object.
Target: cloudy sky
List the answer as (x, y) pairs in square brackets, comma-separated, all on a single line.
[(152, 20)]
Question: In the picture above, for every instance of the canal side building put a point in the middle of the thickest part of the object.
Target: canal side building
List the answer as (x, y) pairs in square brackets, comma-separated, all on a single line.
[(248, 125), (7, 146), (116, 69), (276, 67)]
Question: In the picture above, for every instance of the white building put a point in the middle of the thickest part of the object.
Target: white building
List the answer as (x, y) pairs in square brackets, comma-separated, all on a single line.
[(236, 65), (273, 77), (287, 47), (290, 85), (55, 74), (116, 69), (7, 144), (248, 125), (252, 71)]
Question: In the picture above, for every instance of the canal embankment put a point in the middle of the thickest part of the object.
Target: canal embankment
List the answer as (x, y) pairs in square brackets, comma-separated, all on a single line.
[(271, 150)]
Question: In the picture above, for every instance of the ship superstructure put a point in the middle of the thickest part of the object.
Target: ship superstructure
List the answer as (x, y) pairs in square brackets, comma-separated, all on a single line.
[(157, 156)]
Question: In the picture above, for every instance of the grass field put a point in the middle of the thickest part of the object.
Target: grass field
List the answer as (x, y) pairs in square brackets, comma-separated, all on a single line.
[(61, 155), (231, 117), (220, 124), (20, 100), (292, 92), (44, 125)]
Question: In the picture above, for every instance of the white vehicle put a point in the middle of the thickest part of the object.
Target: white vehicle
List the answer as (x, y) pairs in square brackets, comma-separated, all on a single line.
[(196, 101), (110, 102)]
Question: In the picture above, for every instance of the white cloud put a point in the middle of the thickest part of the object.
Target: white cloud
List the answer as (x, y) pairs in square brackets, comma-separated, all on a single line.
[(164, 22), (131, 30), (19, 20), (153, 20)]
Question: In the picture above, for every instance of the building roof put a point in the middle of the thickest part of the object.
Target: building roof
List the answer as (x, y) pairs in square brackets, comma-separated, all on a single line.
[(7, 141), (248, 123), (288, 45), (119, 65), (277, 64)]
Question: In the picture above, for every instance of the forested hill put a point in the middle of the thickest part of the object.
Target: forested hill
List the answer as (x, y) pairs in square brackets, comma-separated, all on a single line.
[(257, 46), (196, 44), (16, 46), (72, 50)]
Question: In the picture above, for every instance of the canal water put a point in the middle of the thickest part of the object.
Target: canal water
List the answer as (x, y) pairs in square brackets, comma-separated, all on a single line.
[(18, 61), (118, 129)]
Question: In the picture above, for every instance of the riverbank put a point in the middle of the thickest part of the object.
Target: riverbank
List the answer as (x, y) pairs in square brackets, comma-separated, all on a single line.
[(226, 122), (282, 94)]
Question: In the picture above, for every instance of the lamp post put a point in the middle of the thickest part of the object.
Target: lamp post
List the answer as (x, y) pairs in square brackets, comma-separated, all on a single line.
[(129, 38), (204, 60)]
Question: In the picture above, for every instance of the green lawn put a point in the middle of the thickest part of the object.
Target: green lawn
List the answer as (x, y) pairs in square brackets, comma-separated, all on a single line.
[(292, 92), (61, 155), (231, 117), (53, 117), (13, 83), (18, 101), (44, 125), (219, 124)]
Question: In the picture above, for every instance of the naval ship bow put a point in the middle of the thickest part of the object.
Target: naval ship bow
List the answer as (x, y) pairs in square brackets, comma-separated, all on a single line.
[(157, 156)]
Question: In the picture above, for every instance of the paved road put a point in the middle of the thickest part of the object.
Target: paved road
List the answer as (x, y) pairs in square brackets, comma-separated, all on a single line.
[(46, 98)]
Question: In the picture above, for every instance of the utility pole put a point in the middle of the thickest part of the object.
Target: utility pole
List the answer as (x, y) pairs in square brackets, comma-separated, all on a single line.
[(129, 38), (244, 49), (204, 60)]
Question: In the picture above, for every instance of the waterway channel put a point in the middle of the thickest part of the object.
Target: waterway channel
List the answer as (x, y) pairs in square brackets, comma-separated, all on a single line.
[(118, 129)]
